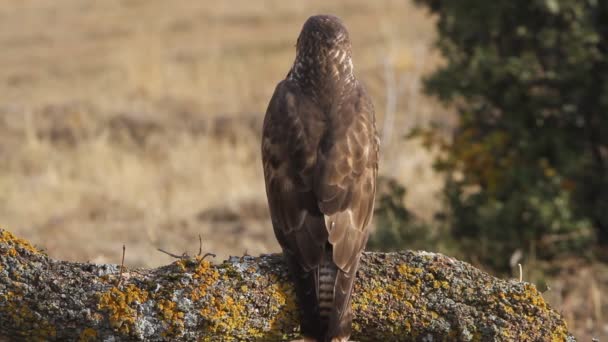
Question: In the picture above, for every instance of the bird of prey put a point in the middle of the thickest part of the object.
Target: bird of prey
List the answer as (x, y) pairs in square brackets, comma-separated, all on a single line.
[(320, 158)]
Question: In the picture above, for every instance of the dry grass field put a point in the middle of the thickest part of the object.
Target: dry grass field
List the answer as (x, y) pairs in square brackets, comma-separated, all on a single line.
[(138, 122)]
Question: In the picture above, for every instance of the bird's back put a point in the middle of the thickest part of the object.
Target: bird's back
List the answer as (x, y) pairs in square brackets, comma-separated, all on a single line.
[(320, 154)]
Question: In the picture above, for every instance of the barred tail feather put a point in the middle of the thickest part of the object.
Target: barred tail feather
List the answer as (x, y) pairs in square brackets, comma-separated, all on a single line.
[(339, 328), (327, 279)]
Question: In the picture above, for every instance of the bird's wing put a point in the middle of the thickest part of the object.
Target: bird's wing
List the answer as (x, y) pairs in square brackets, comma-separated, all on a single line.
[(345, 176), (292, 129)]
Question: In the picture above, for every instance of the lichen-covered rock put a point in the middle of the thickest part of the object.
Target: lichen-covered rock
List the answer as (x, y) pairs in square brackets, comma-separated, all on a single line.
[(410, 296)]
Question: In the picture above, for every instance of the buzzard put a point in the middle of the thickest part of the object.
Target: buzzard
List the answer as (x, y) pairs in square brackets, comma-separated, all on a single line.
[(320, 157)]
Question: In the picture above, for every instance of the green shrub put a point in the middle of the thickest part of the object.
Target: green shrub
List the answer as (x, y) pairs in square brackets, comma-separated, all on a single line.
[(528, 161)]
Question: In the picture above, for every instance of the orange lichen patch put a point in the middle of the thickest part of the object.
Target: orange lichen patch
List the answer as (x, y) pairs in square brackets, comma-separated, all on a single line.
[(404, 292), (380, 293), (376, 294), (530, 296), (530, 305), (441, 284), (537, 303), (15, 243), (32, 327), (533, 296), (224, 314), (560, 333), (410, 273), (207, 275), (181, 263), (507, 308), (88, 335), (118, 303), (205, 271), (172, 316), (283, 306), (198, 293), (227, 313)]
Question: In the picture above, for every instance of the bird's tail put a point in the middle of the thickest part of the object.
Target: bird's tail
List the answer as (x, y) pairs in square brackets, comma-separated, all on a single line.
[(335, 289), (328, 272), (324, 297)]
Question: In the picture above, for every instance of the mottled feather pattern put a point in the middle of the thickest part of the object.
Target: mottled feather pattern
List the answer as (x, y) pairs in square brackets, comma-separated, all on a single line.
[(320, 159)]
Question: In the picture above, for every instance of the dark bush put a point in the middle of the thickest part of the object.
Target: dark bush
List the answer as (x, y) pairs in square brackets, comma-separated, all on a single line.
[(528, 162)]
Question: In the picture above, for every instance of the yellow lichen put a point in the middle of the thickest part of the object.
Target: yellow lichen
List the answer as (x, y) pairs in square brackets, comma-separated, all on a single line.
[(224, 314), (534, 300), (400, 290), (410, 318), (87, 335), (441, 284), (507, 308), (529, 302), (118, 303), (283, 305), (170, 315), (205, 270), (8, 238), (560, 333), (208, 276), (181, 263)]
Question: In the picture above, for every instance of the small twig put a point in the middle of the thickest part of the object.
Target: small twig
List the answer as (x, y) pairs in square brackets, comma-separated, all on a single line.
[(183, 256), (521, 273), (200, 245), (200, 250), (186, 256), (206, 255), (122, 265)]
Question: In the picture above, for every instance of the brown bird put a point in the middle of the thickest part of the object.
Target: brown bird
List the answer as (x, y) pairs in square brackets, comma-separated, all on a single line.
[(320, 157)]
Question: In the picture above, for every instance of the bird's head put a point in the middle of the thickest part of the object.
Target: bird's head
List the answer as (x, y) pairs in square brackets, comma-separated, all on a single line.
[(323, 43), (323, 33)]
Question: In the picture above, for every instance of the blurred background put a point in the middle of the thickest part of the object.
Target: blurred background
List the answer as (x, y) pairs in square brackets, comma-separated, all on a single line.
[(138, 122)]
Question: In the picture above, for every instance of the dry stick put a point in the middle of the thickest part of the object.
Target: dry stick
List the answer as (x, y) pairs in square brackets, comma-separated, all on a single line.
[(206, 255), (122, 265), (200, 245), (186, 256), (521, 273), (200, 250), (183, 256)]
